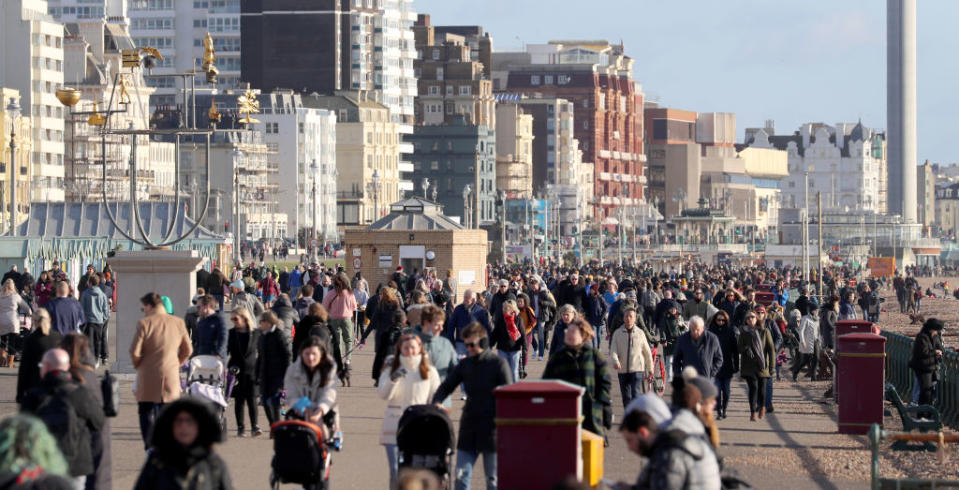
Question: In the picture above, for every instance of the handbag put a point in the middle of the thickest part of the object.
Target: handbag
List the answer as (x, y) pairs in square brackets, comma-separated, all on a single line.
[(110, 386)]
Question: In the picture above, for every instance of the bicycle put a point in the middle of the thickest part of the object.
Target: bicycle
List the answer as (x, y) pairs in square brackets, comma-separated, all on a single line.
[(655, 380)]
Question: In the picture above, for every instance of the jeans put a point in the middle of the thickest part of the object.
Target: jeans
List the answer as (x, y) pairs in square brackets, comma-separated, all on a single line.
[(219, 299), (465, 460), (668, 360), (461, 352), (392, 459), (631, 385), (598, 339), (722, 399), (757, 392), (512, 358), (98, 344), (148, 413), (540, 337)]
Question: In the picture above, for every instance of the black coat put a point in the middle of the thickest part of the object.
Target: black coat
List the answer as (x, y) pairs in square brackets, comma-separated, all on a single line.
[(102, 478), (309, 326), (501, 339), (274, 355), (244, 358), (89, 413), (28, 375), (480, 374), (287, 314), (924, 359), (729, 345), (202, 278), (497, 300)]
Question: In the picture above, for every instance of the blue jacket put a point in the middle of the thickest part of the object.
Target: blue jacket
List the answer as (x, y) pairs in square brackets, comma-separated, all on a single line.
[(595, 309), (210, 336), (96, 306), (706, 354), (782, 297), (296, 279), (462, 317), (66, 315)]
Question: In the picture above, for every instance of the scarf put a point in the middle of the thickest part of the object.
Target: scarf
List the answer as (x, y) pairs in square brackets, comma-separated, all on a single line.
[(511, 327)]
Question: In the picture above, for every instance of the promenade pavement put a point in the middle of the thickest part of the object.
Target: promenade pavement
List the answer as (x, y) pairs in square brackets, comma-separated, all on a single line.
[(796, 447)]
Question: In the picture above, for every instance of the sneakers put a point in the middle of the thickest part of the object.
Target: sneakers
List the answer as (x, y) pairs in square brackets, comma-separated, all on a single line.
[(240, 433), (539, 358), (257, 432)]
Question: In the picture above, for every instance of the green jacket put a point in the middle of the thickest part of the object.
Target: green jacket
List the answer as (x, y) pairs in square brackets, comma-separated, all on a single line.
[(749, 364), (587, 368)]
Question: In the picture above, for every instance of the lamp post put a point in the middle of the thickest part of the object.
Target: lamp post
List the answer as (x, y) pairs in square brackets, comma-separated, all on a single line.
[(501, 197), (237, 156), (375, 192), (466, 205), (13, 109), (313, 243)]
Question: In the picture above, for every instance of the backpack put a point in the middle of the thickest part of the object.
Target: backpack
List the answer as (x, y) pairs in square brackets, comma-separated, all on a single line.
[(62, 421), (110, 386)]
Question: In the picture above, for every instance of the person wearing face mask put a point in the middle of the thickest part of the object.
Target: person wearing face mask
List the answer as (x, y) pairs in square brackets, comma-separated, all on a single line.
[(440, 350), (408, 379), (183, 455), (757, 360)]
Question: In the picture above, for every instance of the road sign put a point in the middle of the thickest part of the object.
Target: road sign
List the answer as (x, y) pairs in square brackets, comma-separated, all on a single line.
[(357, 263), (314, 242)]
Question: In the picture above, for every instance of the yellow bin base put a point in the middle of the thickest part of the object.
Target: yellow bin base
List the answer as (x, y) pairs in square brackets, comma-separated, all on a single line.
[(592, 458)]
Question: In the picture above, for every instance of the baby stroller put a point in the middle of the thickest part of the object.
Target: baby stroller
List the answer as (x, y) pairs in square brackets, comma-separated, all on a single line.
[(207, 378), (424, 439), (302, 450)]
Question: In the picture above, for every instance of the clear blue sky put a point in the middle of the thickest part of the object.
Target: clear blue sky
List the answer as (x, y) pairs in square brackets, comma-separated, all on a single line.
[(794, 62)]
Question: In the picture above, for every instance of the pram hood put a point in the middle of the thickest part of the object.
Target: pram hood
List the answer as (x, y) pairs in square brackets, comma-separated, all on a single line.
[(208, 368), (425, 429)]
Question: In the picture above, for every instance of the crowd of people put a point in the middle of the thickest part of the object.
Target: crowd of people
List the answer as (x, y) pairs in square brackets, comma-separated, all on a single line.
[(287, 336)]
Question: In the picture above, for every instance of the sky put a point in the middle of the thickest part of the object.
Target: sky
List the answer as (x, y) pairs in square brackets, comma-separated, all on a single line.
[(793, 62)]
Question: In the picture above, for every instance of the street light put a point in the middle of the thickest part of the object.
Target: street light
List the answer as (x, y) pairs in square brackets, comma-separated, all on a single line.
[(237, 155), (375, 191), (13, 109), (466, 204), (313, 243)]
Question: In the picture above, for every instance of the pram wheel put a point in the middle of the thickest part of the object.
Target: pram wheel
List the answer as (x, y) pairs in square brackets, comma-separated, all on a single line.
[(221, 418)]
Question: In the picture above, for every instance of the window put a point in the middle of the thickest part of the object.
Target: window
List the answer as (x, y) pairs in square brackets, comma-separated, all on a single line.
[(534, 80), (436, 54), (562, 79), (199, 22), (449, 90), (585, 124), (548, 80), (439, 73), (434, 90), (434, 165), (466, 90)]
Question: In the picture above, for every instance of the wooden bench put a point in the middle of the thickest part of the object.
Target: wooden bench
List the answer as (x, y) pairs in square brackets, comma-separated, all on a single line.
[(924, 418)]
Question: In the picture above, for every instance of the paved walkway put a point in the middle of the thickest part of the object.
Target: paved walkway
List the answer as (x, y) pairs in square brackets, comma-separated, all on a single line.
[(796, 446)]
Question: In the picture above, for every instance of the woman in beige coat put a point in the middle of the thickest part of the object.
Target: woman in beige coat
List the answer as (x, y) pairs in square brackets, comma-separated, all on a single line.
[(408, 379), (160, 346)]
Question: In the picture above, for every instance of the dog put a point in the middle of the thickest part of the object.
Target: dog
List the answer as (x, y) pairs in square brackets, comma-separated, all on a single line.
[(916, 319)]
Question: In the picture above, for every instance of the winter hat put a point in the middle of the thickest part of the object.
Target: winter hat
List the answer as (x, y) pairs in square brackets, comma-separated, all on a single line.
[(653, 405), (706, 387), (934, 324), (237, 285)]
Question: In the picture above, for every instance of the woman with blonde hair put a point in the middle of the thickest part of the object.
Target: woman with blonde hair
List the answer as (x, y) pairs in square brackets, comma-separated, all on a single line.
[(241, 347), (409, 379), (10, 304), (508, 337), (40, 340)]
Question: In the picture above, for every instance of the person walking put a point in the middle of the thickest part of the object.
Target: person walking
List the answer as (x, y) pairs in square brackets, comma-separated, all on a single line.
[(211, 332), (699, 349), (508, 336), (10, 304), (66, 314), (83, 372), (409, 379), (757, 360), (926, 359), (274, 355), (808, 343), (465, 314), (183, 455), (438, 348), (40, 340), (216, 286), (312, 376), (381, 322), (341, 305), (567, 313), (43, 291), (242, 350), (32, 460), (96, 309), (577, 362), (69, 410), (631, 357), (480, 373), (729, 345), (160, 346)]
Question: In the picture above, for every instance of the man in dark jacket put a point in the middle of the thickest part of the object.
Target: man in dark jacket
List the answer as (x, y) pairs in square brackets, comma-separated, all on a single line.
[(698, 348), (464, 314), (211, 333), (66, 313), (595, 313), (502, 295), (481, 373), (286, 313), (70, 411), (544, 306), (571, 292)]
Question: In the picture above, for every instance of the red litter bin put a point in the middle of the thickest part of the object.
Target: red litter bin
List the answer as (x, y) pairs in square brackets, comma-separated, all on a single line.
[(862, 377), (844, 327), (538, 440)]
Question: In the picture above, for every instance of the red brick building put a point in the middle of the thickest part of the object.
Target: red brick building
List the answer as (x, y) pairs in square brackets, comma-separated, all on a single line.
[(608, 116)]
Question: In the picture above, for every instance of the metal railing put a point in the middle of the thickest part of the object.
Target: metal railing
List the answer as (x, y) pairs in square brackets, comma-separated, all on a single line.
[(898, 355)]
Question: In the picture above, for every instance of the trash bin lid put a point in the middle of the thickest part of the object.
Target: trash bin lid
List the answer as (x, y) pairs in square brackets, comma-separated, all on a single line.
[(554, 388)]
